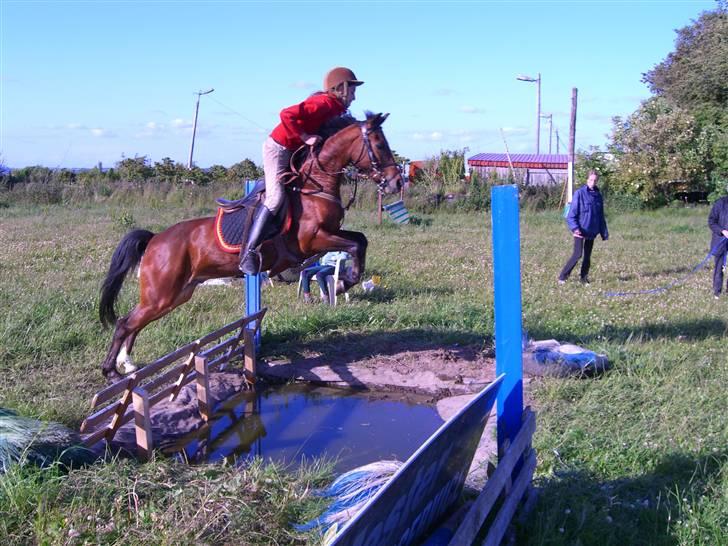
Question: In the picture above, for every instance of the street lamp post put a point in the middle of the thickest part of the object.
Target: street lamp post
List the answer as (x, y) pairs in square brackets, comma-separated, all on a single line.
[(194, 124), (523, 78)]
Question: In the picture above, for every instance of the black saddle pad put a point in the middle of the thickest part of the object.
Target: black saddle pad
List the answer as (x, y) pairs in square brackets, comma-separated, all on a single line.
[(232, 225)]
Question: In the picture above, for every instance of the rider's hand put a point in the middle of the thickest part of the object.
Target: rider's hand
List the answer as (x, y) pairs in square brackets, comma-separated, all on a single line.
[(577, 233), (725, 233), (312, 140)]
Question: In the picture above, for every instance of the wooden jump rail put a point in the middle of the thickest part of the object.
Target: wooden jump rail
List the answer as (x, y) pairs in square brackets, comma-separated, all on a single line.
[(505, 484), (149, 385)]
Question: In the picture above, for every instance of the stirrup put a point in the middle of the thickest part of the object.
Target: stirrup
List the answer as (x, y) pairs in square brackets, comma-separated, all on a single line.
[(250, 265)]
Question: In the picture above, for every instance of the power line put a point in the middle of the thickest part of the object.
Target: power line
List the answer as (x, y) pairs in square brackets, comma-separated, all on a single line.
[(239, 114)]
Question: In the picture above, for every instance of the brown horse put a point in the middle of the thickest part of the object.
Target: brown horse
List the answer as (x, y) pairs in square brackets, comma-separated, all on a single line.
[(172, 263)]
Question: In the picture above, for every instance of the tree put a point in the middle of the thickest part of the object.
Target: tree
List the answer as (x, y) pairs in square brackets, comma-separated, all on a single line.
[(168, 170), (678, 140), (695, 75), (135, 169), (659, 150), (245, 170)]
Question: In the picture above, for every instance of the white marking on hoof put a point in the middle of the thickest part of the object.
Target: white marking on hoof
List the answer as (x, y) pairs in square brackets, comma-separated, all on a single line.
[(124, 363)]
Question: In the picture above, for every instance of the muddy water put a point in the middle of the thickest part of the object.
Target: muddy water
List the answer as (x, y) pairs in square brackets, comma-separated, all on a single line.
[(291, 423)]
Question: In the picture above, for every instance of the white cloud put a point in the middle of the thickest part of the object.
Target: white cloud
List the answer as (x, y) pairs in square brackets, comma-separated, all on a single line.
[(432, 136), (179, 123), (151, 129), (300, 84), (516, 130), (99, 132), (471, 109)]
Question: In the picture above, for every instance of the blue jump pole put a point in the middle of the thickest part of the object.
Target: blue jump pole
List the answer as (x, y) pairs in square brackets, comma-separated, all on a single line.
[(507, 295), (252, 282)]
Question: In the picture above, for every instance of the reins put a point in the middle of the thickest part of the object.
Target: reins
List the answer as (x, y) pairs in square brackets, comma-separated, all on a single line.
[(319, 191)]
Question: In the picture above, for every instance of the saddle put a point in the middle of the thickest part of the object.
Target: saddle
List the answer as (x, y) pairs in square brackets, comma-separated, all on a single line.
[(234, 217)]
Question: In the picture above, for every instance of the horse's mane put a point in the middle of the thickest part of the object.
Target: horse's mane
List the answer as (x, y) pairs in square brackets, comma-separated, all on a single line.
[(334, 125)]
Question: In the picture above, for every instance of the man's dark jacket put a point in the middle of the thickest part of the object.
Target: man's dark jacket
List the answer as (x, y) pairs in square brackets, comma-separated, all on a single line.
[(586, 213), (717, 222)]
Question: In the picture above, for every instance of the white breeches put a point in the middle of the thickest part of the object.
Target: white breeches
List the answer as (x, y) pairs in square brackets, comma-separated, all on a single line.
[(276, 160)]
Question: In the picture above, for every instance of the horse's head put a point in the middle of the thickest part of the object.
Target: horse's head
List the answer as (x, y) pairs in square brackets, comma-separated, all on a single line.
[(378, 158)]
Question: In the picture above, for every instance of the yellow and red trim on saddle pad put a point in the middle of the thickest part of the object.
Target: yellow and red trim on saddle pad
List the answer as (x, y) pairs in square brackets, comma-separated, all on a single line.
[(225, 247), (235, 248)]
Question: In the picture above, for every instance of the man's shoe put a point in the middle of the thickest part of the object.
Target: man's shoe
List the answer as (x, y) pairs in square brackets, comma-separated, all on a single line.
[(561, 281), (585, 280)]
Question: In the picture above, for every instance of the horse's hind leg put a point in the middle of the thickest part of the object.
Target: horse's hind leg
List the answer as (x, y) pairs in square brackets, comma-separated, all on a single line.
[(108, 368), (123, 359), (127, 328)]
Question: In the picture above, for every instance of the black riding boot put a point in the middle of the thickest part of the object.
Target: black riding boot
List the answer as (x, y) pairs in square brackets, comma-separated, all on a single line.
[(250, 258)]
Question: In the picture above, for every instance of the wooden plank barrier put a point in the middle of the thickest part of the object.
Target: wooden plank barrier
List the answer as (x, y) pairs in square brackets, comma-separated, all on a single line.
[(501, 484), (132, 397)]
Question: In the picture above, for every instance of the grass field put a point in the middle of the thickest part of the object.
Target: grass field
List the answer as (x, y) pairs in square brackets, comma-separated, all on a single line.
[(638, 456)]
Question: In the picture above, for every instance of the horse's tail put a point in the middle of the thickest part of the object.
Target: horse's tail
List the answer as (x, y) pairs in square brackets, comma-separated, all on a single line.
[(126, 257)]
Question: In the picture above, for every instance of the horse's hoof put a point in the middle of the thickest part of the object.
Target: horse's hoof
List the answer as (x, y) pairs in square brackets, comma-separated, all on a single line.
[(112, 377)]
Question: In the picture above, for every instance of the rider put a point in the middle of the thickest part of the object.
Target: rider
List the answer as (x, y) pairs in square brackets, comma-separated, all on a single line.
[(298, 126)]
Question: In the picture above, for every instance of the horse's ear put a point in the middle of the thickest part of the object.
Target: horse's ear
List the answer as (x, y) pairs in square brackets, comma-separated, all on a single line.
[(379, 119)]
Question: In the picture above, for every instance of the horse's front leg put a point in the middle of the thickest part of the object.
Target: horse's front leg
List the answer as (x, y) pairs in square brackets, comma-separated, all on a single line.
[(353, 242), (360, 257)]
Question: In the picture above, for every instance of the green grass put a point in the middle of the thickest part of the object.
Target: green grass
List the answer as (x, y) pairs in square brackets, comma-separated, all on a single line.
[(638, 456)]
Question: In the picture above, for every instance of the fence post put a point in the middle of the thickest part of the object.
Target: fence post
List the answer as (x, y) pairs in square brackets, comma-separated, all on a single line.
[(204, 404), (252, 282), (249, 348), (142, 423), (507, 295)]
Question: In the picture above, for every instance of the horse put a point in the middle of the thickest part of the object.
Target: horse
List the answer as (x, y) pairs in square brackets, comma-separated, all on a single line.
[(172, 263)]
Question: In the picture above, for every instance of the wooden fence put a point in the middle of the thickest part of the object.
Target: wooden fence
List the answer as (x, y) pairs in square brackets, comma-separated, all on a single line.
[(165, 377)]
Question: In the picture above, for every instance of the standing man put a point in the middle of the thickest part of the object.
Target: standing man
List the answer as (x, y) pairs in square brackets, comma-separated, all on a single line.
[(586, 221), (718, 224)]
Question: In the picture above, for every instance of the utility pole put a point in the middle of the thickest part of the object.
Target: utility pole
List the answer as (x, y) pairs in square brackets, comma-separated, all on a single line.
[(558, 148), (551, 126), (538, 116), (572, 144), (194, 124)]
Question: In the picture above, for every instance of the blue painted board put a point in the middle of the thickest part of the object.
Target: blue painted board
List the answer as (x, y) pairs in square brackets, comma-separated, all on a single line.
[(428, 483), (507, 300)]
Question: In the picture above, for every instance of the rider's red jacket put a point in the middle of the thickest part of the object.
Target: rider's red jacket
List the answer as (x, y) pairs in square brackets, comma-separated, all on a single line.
[(307, 116)]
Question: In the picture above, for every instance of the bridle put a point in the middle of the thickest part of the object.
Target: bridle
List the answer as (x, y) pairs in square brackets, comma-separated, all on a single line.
[(375, 172)]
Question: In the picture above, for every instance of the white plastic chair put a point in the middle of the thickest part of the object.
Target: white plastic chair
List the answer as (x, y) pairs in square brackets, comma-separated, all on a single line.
[(332, 282)]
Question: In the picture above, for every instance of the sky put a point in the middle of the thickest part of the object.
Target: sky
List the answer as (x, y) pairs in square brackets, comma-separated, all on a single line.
[(84, 82)]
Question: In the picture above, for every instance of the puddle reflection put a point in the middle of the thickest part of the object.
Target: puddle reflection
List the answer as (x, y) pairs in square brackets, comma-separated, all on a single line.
[(295, 422)]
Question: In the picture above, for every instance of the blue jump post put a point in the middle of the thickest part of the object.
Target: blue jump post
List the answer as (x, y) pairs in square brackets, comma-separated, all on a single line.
[(252, 282), (507, 294)]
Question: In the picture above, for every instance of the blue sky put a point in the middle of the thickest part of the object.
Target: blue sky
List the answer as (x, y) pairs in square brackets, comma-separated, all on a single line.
[(90, 81)]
